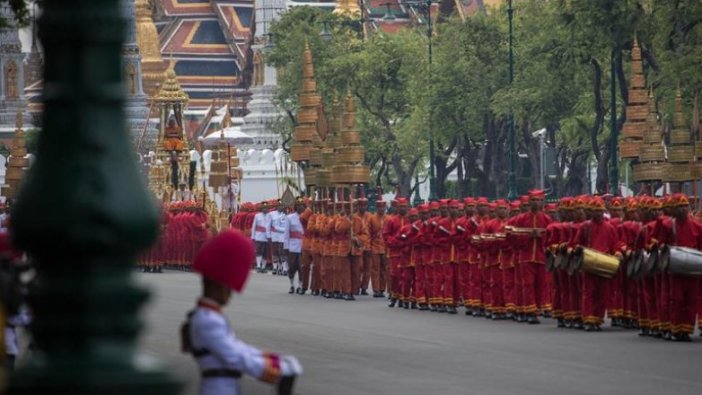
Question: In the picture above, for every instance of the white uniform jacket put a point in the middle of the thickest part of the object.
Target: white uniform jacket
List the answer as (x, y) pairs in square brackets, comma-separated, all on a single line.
[(277, 226), (259, 228), (294, 233), (220, 355)]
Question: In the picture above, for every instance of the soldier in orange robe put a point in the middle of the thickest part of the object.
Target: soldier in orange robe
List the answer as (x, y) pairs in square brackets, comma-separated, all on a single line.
[(360, 243), (307, 219), (376, 224), (343, 224), (391, 234), (325, 232)]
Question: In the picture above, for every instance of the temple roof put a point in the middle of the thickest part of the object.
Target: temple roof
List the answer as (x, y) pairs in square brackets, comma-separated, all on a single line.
[(208, 42)]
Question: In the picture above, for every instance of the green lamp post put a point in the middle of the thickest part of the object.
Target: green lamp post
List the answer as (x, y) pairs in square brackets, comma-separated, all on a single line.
[(511, 136), (83, 214)]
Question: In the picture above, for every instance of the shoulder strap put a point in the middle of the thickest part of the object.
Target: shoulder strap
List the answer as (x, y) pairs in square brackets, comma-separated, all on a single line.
[(186, 341)]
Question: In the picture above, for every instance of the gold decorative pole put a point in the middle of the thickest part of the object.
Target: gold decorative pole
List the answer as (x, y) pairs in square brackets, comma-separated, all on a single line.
[(17, 163)]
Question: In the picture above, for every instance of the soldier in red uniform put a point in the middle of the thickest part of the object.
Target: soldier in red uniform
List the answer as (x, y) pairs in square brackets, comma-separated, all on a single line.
[(532, 257), (434, 253), (344, 237), (446, 233), (408, 242), (680, 229), (466, 226), (509, 255), (475, 261), (493, 241), (599, 235), (423, 257), (391, 233)]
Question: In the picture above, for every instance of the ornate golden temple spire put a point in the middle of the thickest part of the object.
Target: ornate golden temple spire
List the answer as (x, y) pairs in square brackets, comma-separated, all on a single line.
[(349, 168), (307, 143), (152, 64), (170, 90), (17, 162), (681, 151)]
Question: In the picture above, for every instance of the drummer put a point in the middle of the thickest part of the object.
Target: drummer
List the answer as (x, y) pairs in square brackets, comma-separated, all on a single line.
[(601, 236), (681, 230)]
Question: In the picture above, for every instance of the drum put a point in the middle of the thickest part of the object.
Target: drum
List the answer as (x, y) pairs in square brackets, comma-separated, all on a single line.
[(649, 265), (597, 263), (636, 263), (682, 260), (561, 261), (550, 261)]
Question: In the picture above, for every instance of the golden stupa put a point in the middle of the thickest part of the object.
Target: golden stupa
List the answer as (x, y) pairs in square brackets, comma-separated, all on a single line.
[(306, 139), (681, 152), (17, 162), (637, 109), (349, 157), (152, 65), (651, 155)]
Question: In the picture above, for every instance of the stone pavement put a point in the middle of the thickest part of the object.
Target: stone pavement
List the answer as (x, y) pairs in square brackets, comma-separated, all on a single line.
[(363, 347)]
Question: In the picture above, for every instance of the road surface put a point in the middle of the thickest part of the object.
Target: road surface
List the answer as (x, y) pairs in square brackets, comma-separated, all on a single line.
[(364, 347)]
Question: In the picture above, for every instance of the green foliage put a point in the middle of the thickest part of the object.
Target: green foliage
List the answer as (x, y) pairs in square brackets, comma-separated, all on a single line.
[(562, 55)]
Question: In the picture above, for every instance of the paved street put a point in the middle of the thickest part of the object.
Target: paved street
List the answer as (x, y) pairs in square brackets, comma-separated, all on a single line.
[(363, 347)]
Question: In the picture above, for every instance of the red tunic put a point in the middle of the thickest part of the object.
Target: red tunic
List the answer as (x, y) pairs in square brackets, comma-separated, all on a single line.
[(533, 248)]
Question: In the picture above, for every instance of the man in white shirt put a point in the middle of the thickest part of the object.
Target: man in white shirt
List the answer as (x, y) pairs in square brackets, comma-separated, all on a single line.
[(294, 233), (222, 358), (259, 234), (278, 219)]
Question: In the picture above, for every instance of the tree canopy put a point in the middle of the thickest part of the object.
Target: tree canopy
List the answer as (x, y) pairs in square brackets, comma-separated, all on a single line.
[(564, 54)]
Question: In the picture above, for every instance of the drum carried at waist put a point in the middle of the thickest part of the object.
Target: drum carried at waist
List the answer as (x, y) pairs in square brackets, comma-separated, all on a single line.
[(681, 260), (595, 262), (643, 263)]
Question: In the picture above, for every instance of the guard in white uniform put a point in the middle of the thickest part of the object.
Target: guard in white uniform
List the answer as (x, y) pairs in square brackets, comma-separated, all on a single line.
[(221, 357), (294, 233), (11, 341), (259, 234), (277, 218)]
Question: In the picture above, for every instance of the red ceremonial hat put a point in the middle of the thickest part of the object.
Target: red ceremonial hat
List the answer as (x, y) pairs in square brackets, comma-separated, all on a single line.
[(482, 201), (616, 204), (537, 194), (413, 211), (566, 203), (469, 201), (492, 206), (454, 204), (402, 202), (444, 202), (596, 203), (434, 205), (524, 199), (362, 201), (515, 205), (655, 203), (680, 199), (380, 203), (551, 207), (501, 203), (423, 208), (226, 259)]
